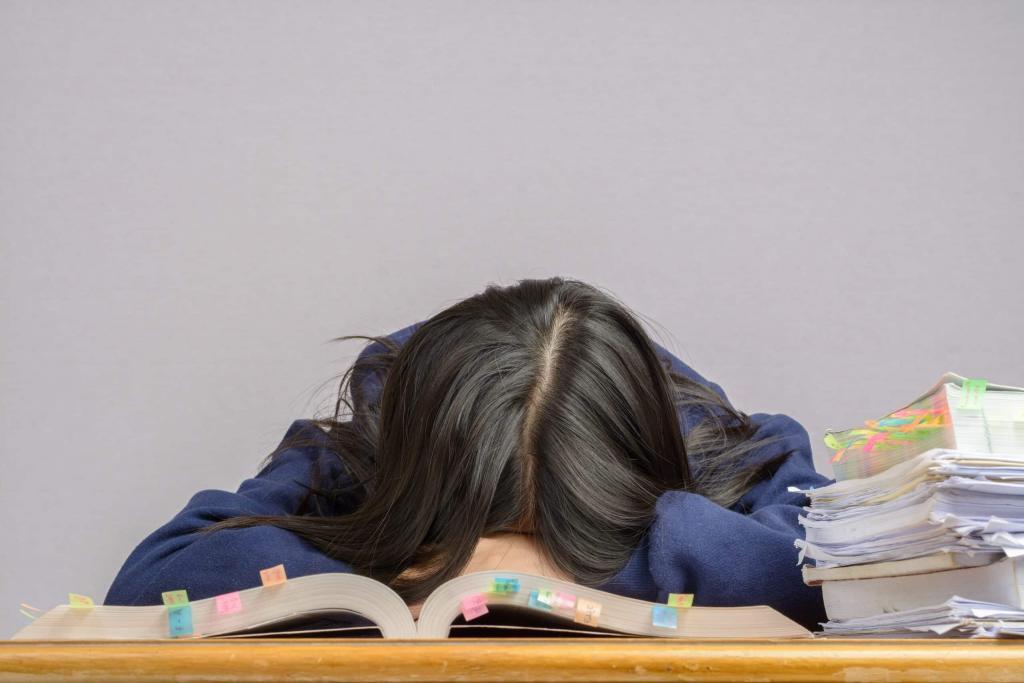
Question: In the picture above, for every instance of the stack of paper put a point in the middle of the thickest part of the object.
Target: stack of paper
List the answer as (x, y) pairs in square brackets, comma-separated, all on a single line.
[(957, 617), (941, 501), (923, 531)]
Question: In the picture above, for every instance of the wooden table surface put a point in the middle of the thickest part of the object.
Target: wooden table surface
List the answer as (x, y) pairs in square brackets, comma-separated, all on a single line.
[(508, 659)]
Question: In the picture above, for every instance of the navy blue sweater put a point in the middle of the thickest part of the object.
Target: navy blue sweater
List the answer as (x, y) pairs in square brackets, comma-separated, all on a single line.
[(742, 555)]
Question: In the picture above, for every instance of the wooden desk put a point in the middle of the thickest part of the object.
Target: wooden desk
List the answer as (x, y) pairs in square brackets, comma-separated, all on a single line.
[(539, 659)]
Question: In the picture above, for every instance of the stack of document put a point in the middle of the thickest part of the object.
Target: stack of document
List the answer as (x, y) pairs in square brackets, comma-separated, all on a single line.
[(941, 501), (923, 530), (957, 617), (894, 552)]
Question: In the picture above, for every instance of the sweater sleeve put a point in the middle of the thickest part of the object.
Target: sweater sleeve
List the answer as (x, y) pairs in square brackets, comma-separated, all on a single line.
[(178, 555), (742, 555)]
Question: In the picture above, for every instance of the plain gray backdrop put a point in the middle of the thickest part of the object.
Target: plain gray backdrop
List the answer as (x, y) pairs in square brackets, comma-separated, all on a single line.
[(817, 205)]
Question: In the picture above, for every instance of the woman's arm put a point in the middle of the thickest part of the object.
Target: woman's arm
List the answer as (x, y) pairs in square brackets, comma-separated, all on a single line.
[(743, 555), (177, 555)]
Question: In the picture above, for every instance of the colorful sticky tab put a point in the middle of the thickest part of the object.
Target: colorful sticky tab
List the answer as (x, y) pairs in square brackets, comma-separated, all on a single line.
[(504, 586), (229, 603), (565, 600), (273, 576), (474, 606), (179, 620), (587, 612), (972, 394), (680, 599), (830, 441), (873, 439), (542, 599), (79, 601), (172, 598), (664, 616)]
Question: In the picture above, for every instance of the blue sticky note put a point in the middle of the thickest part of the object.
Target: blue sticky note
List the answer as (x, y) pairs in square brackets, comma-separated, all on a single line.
[(536, 600), (179, 619), (665, 616)]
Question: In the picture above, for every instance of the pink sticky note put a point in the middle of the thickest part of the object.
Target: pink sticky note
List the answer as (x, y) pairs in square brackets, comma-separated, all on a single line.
[(229, 603), (565, 600), (474, 606)]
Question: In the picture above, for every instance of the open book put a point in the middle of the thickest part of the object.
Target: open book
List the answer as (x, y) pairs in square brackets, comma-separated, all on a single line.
[(357, 605)]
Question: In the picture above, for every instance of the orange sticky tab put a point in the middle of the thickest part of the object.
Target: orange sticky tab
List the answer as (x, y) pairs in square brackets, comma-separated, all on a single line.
[(587, 612), (273, 576), (79, 601), (680, 599), (172, 598)]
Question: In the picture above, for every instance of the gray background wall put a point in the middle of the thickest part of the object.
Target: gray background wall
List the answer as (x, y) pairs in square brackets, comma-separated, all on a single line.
[(817, 205)]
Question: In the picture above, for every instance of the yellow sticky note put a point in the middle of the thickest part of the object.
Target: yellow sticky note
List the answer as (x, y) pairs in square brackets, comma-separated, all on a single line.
[(172, 598), (79, 601), (587, 612), (273, 576), (680, 599)]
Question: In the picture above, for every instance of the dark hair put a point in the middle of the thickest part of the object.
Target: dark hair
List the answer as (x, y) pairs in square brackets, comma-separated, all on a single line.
[(542, 406)]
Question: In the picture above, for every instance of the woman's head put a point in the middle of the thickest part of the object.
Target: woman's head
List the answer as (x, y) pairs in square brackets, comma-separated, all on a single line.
[(542, 408)]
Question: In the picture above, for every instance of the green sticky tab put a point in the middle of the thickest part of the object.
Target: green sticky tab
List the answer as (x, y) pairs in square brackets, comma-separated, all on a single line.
[(172, 598), (972, 394), (504, 586), (680, 599), (830, 441), (79, 601)]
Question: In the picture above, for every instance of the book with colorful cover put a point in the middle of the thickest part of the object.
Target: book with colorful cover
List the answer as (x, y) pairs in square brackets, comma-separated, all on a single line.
[(955, 413)]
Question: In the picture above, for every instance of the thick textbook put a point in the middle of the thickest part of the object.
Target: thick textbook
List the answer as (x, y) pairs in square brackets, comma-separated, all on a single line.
[(956, 413), (1001, 582), (815, 576), (504, 601)]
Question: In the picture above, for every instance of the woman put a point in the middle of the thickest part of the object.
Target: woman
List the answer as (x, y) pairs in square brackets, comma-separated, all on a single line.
[(532, 426)]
